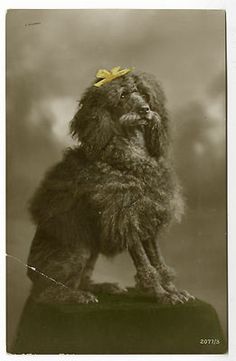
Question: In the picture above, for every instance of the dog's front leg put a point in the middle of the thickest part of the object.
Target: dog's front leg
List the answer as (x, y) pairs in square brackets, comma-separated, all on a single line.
[(147, 277), (166, 274)]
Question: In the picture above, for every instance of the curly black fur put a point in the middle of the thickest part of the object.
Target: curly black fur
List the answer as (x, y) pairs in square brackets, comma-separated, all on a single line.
[(113, 192)]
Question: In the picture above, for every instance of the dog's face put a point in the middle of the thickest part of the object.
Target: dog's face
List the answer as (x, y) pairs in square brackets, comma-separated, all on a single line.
[(131, 101), (127, 105)]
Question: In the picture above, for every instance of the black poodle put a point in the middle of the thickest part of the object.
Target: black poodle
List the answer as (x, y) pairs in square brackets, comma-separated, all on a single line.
[(114, 192)]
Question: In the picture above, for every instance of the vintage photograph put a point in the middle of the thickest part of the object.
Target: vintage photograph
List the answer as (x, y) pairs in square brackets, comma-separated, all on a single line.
[(116, 181)]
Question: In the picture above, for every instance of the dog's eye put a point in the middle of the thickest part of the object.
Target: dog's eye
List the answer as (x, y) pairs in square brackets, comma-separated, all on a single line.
[(146, 97)]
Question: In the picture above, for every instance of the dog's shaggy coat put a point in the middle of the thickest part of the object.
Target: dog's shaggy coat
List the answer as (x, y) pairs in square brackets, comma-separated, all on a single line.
[(113, 192)]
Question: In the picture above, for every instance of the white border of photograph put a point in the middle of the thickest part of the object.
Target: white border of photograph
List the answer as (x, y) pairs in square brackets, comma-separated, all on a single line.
[(230, 7)]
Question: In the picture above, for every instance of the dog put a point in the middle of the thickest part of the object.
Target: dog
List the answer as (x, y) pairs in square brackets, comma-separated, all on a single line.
[(114, 192)]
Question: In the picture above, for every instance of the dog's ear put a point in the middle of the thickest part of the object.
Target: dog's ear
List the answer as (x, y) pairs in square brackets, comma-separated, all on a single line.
[(157, 135), (157, 129), (91, 125)]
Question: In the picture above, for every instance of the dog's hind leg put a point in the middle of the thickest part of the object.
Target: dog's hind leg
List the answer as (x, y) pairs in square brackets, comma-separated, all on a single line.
[(89, 285), (166, 274), (56, 273)]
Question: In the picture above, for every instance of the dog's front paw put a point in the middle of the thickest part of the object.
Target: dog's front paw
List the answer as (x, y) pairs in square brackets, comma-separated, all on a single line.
[(185, 296), (167, 298)]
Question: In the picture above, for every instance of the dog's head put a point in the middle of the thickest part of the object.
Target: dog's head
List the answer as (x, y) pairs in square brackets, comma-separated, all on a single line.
[(123, 104)]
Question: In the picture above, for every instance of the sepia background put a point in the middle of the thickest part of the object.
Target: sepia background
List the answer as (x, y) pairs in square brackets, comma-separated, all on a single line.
[(52, 56)]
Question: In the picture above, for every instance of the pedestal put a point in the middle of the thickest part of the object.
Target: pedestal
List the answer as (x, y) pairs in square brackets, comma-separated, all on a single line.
[(124, 324)]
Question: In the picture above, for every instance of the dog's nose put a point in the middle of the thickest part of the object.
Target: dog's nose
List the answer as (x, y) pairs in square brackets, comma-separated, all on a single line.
[(144, 109)]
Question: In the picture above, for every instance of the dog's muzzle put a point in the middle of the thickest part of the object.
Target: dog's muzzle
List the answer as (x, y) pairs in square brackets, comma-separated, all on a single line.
[(134, 119)]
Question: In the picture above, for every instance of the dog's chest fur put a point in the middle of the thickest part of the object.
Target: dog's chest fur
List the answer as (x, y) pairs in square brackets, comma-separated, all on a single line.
[(137, 147), (130, 176), (129, 156), (127, 160)]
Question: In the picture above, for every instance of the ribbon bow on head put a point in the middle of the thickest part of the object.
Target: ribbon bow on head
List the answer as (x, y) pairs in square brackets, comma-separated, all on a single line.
[(108, 76)]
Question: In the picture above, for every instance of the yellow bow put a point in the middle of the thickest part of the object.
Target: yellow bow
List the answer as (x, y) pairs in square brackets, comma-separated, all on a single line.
[(108, 76)]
